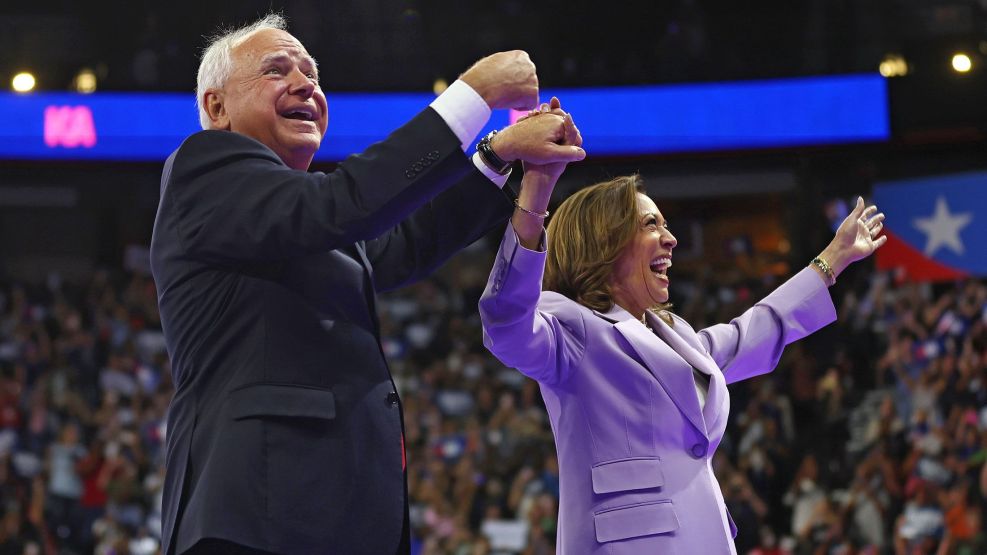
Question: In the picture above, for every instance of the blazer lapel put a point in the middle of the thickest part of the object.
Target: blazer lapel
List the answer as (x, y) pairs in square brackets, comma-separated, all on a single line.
[(662, 362), (699, 360), (359, 253)]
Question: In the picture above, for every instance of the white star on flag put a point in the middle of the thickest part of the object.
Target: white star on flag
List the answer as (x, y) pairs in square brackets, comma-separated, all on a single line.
[(942, 229)]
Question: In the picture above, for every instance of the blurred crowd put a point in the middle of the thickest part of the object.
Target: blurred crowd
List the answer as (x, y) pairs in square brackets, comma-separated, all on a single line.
[(869, 438)]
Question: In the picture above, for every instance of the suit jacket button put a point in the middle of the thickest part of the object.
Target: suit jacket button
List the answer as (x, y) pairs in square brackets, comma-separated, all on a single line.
[(392, 398), (698, 450), (434, 155), (409, 174), (417, 166)]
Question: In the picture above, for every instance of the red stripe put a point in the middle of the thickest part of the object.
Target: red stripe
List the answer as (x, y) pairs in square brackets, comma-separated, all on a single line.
[(404, 459), (897, 253)]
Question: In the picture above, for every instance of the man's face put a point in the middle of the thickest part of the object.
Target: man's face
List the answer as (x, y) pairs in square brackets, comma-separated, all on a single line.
[(273, 95)]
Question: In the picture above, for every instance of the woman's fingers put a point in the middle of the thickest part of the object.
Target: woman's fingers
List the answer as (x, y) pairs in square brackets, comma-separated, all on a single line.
[(876, 219), (875, 224), (868, 212), (572, 135), (858, 208)]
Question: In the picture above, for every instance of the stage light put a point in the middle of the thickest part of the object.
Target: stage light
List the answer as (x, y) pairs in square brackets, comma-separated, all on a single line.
[(23, 82), (85, 81), (961, 62), (439, 86), (893, 65)]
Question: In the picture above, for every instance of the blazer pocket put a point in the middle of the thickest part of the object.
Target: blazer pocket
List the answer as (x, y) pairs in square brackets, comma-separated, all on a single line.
[(632, 521), (627, 474), (266, 399)]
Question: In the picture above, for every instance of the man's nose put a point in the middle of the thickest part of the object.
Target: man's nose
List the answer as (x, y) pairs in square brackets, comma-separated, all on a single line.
[(301, 84)]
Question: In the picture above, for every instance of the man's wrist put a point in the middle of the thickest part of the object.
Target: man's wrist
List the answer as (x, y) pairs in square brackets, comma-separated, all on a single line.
[(463, 110), (477, 86), (497, 179), (500, 146), (491, 158)]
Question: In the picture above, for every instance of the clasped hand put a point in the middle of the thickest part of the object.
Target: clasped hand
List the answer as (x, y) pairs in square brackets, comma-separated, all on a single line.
[(547, 136), (509, 80)]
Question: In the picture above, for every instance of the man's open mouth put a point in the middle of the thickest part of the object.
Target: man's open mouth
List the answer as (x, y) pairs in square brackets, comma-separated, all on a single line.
[(303, 114)]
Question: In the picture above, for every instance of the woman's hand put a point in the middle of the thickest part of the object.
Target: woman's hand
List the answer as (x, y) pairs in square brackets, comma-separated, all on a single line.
[(856, 238), (571, 137), (539, 181), (543, 136)]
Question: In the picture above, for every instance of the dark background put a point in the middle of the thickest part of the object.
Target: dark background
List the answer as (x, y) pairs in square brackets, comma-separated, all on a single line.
[(74, 217), (78, 316)]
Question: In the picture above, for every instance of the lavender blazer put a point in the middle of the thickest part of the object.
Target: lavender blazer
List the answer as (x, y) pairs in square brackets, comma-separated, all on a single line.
[(634, 448)]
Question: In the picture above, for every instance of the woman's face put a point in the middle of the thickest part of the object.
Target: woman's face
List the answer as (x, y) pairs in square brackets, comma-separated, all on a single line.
[(639, 279)]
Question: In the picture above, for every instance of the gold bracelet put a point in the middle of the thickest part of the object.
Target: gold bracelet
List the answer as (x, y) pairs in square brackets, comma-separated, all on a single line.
[(826, 269), (526, 211)]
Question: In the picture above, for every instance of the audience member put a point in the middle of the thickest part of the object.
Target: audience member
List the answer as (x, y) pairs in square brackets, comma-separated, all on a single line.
[(873, 441)]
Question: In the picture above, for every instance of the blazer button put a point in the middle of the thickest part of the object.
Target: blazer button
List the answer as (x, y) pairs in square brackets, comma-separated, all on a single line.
[(409, 174), (392, 398), (417, 166), (698, 450), (434, 155)]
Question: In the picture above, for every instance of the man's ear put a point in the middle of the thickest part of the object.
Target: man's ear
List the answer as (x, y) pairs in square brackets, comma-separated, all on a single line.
[(216, 109)]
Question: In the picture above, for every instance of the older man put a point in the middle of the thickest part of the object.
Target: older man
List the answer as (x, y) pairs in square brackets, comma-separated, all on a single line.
[(285, 432)]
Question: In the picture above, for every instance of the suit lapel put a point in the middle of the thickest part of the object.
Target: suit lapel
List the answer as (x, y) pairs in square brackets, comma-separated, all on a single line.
[(359, 253), (662, 362), (699, 360), (681, 347)]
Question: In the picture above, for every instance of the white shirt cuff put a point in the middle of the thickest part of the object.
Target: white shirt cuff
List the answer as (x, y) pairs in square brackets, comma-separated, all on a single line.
[(463, 110), (498, 180)]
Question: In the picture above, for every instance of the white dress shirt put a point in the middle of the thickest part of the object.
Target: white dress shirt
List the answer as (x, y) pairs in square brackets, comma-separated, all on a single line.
[(465, 112)]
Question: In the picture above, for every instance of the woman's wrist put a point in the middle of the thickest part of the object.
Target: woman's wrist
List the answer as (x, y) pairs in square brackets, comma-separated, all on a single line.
[(825, 272), (531, 207), (529, 219), (528, 230), (536, 192), (829, 265), (836, 260)]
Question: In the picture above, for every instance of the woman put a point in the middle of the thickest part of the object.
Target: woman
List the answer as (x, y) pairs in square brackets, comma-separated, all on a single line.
[(637, 399)]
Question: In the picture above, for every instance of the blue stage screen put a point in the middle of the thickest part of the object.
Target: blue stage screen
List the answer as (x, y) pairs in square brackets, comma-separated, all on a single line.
[(624, 121)]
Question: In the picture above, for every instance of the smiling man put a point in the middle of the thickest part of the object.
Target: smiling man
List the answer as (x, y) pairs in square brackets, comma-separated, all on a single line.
[(285, 431), (272, 95)]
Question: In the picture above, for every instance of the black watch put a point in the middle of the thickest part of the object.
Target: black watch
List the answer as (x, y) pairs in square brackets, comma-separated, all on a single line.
[(490, 158)]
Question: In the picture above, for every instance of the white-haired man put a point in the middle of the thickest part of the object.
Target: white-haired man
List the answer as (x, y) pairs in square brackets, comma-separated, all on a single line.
[(285, 432)]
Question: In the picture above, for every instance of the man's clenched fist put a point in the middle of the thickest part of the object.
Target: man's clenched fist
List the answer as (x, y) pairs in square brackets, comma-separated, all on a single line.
[(505, 80)]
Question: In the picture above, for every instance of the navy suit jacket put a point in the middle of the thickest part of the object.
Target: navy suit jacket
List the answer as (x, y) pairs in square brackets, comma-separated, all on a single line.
[(285, 431)]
